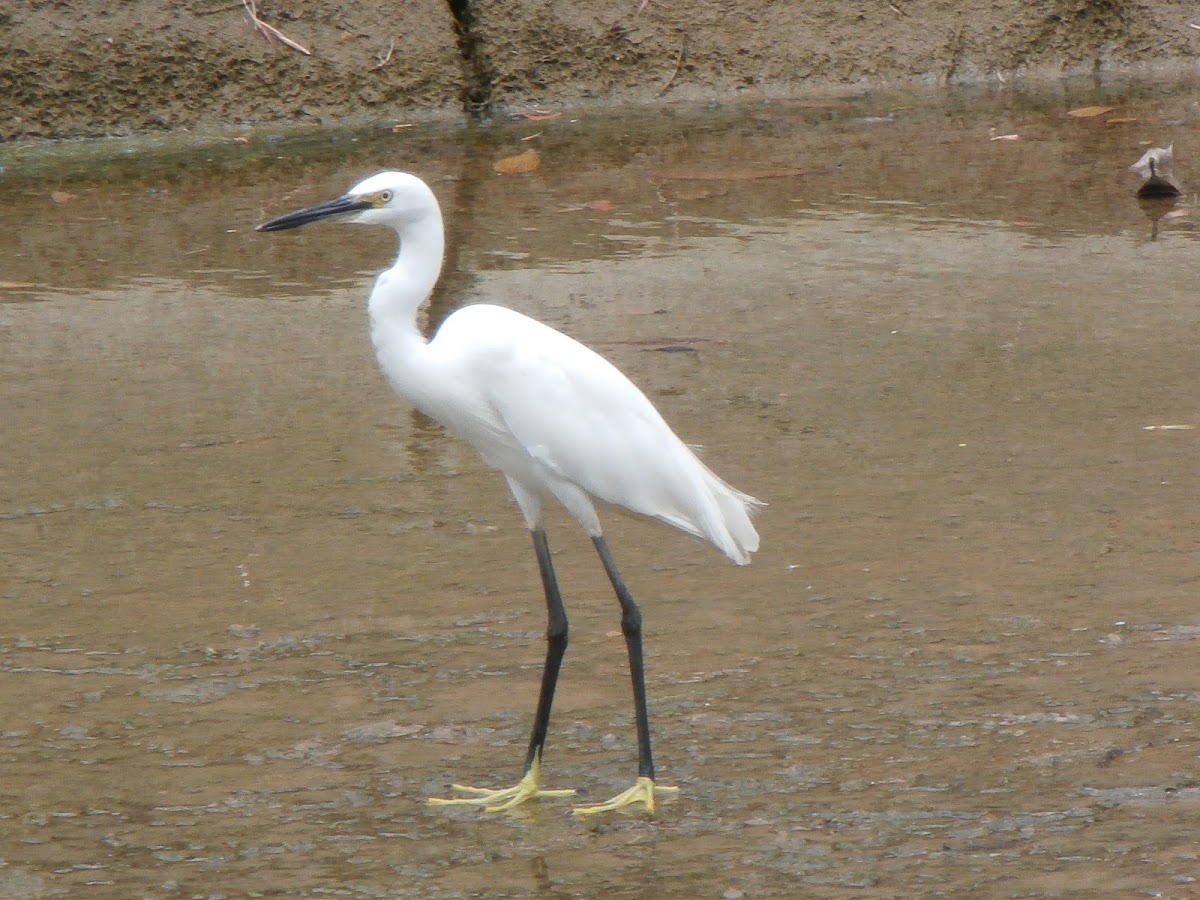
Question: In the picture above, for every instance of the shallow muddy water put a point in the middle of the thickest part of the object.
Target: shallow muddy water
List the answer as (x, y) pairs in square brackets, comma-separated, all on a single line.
[(254, 611)]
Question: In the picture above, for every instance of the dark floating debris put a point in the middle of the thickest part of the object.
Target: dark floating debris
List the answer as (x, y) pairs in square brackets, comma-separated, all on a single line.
[(1155, 167)]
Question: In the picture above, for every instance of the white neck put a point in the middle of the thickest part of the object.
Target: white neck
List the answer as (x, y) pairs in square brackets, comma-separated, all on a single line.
[(398, 294), (400, 290)]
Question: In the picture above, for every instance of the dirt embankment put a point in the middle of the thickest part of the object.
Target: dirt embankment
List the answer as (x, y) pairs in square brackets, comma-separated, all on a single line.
[(89, 67)]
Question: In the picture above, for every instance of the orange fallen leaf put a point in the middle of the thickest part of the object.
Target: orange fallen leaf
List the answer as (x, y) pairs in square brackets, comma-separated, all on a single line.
[(1089, 112), (1177, 214), (241, 139), (519, 164), (61, 197), (600, 205)]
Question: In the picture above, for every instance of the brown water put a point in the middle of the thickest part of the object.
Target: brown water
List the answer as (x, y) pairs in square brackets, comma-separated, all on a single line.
[(254, 611)]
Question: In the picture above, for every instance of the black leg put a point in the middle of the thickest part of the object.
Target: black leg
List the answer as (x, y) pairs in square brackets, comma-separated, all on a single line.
[(556, 646), (631, 627)]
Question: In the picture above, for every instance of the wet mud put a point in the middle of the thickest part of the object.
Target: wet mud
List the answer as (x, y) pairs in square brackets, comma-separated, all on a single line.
[(91, 68), (254, 612)]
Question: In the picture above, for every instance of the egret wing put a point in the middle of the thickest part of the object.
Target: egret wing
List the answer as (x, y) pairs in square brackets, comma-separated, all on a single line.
[(581, 420)]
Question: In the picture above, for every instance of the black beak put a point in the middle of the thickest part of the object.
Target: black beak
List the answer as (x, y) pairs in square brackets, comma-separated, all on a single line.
[(339, 207)]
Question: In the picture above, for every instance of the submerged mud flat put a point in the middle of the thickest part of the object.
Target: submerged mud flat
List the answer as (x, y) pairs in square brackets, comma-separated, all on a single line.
[(254, 612)]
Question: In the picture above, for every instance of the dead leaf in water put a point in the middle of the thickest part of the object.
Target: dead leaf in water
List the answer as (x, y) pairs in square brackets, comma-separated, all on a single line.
[(16, 285), (728, 174), (600, 205), (669, 344), (1176, 214), (1089, 112), (62, 197), (519, 164)]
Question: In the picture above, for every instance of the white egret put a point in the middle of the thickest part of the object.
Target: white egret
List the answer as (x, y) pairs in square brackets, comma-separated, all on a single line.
[(556, 418)]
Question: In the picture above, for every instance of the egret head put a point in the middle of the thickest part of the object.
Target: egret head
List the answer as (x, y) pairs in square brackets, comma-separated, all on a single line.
[(388, 198)]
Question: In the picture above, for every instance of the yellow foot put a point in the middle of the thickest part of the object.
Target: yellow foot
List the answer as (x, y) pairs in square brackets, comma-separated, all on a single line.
[(503, 798), (643, 791)]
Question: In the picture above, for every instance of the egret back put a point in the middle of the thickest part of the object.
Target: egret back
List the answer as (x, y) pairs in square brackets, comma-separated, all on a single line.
[(554, 415)]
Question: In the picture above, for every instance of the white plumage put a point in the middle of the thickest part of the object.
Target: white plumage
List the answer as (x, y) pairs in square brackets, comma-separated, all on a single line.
[(555, 417), (559, 419)]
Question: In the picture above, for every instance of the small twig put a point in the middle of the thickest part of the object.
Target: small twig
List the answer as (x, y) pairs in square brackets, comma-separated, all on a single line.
[(1193, 25), (646, 3), (678, 62), (897, 10), (270, 32), (383, 61)]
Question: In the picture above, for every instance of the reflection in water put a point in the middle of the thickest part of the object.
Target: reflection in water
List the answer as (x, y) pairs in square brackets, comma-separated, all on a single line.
[(250, 604), (1159, 211)]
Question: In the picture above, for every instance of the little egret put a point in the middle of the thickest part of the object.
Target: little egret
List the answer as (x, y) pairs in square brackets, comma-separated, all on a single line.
[(556, 418)]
